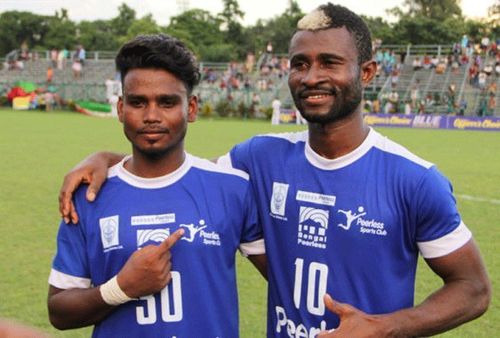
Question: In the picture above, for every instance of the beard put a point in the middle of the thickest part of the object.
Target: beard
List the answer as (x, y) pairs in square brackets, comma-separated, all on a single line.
[(346, 101), (154, 154)]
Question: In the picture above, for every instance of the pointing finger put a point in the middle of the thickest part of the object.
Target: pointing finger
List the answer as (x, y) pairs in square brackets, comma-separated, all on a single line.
[(171, 240)]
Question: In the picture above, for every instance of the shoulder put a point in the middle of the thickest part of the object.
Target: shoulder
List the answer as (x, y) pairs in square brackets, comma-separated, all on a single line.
[(278, 139), (210, 168), (398, 153)]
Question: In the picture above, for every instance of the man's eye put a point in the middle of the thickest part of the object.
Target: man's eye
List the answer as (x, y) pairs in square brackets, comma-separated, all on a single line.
[(298, 65), (167, 103), (135, 103)]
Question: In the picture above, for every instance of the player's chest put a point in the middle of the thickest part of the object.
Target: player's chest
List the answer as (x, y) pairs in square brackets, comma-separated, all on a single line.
[(121, 231), (315, 211)]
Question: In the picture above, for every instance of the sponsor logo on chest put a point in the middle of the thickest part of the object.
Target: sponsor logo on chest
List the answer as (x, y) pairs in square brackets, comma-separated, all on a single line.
[(196, 233), (316, 211)]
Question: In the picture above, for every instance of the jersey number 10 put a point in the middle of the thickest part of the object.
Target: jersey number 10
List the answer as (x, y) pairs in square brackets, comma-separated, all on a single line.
[(171, 310), (316, 286)]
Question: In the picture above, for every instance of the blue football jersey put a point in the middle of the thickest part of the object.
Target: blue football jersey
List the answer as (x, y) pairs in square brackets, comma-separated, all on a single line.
[(216, 208), (352, 226)]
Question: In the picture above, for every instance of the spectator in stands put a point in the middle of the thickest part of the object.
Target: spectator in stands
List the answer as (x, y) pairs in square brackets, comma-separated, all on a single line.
[(455, 64), (77, 69), (428, 104), (391, 106), (415, 95), (379, 57), (417, 64), (441, 66), (434, 61), (81, 54), (395, 76), (376, 106), (250, 62), (61, 58), (485, 44), (464, 59), (426, 63), (50, 74), (492, 103), (483, 104), (53, 57), (451, 98), (269, 48), (481, 80), (254, 106), (276, 105), (407, 107), (492, 88), (473, 74), (488, 69), (462, 107)]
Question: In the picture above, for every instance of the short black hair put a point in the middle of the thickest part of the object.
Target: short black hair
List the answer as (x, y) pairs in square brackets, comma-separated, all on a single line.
[(162, 52), (340, 16)]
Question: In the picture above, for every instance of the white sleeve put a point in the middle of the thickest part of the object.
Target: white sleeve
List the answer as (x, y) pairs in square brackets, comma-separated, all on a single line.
[(253, 248)]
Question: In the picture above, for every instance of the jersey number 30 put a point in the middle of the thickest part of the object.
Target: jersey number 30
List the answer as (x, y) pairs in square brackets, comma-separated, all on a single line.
[(171, 304), (316, 286)]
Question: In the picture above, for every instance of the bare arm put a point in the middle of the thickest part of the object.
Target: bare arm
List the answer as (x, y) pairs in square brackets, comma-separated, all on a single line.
[(74, 308), (260, 262), (92, 170), (146, 272), (465, 295)]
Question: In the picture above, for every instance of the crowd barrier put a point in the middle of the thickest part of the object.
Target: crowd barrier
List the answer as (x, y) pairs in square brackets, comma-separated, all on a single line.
[(488, 123)]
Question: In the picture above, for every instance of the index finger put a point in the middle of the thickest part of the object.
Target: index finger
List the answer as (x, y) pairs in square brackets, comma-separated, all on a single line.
[(171, 240), (70, 184)]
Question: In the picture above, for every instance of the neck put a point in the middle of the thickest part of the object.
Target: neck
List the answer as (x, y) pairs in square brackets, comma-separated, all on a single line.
[(338, 138), (147, 166)]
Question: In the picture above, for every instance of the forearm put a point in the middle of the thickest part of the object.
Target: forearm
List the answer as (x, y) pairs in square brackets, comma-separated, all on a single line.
[(455, 303), (107, 157), (74, 308)]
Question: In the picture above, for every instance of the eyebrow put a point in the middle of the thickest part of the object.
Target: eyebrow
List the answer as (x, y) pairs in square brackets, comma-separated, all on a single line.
[(322, 56), (159, 97)]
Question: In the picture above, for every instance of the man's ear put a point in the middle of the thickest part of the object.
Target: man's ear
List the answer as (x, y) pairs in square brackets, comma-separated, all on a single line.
[(119, 107), (192, 108), (368, 71)]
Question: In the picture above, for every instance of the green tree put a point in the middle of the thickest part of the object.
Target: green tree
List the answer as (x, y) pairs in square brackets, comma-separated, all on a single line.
[(98, 35), (381, 29), (144, 25), (17, 28), (433, 9), (234, 32), (277, 30), (61, 31), (200, 30), (122, 22)]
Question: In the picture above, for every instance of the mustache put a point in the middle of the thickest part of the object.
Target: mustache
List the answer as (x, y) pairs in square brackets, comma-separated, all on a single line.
[(304, 92), (153, 130)]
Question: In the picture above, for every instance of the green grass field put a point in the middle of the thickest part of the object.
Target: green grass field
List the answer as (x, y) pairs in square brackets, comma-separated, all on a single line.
[(38, 148)]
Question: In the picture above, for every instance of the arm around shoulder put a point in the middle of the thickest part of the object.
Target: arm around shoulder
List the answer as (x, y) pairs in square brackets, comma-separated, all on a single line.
[(93, 171)]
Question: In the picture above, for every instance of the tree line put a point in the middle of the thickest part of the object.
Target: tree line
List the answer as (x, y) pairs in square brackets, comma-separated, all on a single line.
[(222, 37)]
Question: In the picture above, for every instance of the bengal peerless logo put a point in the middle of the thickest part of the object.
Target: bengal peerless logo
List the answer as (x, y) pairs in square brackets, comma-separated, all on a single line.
[(313, 224)]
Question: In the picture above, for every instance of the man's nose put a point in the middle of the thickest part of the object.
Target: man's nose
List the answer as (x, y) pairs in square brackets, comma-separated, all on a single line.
[(151, 113), (314, 75)]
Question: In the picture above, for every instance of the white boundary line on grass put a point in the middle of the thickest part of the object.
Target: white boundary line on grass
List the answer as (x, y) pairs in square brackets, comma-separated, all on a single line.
[(478, 199)]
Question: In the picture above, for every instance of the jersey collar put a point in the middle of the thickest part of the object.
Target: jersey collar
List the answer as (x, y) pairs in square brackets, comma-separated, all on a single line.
[(340, 162), (150, 183)]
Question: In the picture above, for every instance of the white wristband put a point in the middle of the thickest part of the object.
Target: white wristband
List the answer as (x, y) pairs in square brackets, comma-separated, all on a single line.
[(112, 294)]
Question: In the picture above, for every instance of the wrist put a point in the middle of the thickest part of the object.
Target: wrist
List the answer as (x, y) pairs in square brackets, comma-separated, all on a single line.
[(112, 293)]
